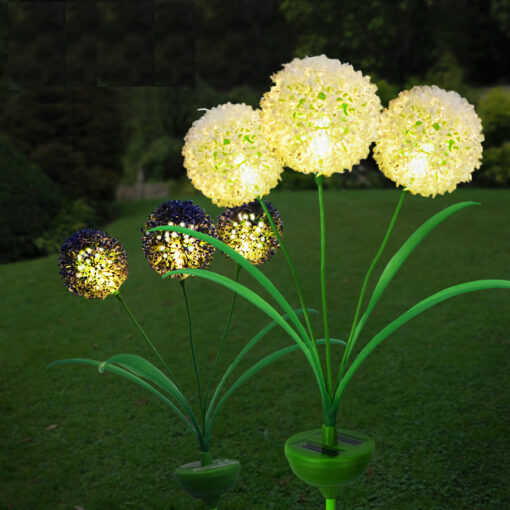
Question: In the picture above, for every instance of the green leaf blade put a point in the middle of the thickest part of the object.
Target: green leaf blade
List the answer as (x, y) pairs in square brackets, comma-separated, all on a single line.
[(264, 362), (263, 305), (400, 257), (417, 309), (256, 273), (143, 368), (409, 246), (132, 377), (250, 296), (261, 334)]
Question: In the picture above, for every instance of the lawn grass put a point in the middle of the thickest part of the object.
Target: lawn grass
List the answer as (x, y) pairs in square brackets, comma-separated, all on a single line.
[(435, 396)]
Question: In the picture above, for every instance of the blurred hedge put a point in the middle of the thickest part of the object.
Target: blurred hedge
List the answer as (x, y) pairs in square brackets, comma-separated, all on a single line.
[(494, 110), (29, 202), (74, 135), (74, 215), (495, 170)]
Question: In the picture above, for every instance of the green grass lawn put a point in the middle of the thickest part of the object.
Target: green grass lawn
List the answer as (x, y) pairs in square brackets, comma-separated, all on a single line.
[(435, 396)]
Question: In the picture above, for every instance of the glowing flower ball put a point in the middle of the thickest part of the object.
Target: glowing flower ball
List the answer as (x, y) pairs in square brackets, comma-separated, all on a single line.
[(168, 251), (93, 264), (227, 156), (429, 140), (320, 116), (247, 230)]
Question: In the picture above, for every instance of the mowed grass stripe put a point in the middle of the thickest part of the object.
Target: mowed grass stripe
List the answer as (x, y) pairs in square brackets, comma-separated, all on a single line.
[(435, 396)]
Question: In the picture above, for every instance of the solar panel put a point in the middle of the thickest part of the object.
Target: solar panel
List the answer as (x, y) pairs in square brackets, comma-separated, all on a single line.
[(321, 449), (349, 440)]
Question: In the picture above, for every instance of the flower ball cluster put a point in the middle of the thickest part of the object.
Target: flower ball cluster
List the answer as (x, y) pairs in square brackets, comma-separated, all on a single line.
[(247, 230), (429, 140), (93, 264), (169, 251), (321, 115), (227, 157)]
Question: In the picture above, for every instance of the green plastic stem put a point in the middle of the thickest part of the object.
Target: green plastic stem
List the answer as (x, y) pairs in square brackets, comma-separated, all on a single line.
[(293, 272), (225, 333), (348, 349), (300, 335), (330, 504), (261, 334), (205, 458), (119, 296), (316, 360), (320, 189), (193, 354), (329, 435)]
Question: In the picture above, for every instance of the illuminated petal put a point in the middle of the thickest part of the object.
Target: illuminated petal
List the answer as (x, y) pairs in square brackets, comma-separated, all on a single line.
[(247, 230), (227, 157), (169, 251), (93, 264), (321, 115), (429, 141)]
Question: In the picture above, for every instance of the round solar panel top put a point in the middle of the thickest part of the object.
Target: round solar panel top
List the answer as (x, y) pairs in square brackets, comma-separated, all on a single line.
[(329, 467), (210, 482)]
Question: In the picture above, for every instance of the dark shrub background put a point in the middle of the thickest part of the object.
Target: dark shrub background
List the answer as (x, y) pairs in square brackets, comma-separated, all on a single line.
[(96, 94)]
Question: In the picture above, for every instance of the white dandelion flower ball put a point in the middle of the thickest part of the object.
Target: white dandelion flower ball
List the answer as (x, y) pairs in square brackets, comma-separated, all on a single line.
[(321, 115), (227, 157), (429, 140)]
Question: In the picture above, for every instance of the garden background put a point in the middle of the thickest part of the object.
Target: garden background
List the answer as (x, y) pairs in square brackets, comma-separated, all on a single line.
[(96, 98)]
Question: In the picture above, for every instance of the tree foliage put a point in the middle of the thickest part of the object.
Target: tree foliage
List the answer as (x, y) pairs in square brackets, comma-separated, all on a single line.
[(29, 200), (397, 39), (85, 139), (241, 42), (74, 135), (494, 110), (495, 170)]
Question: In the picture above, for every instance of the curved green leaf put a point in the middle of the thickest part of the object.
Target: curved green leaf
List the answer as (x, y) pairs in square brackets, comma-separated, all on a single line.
[(247, 265), (263, 305), (372, 266), (264, 362), (262, 333), (143, 368), (413, 312), (128, 375), (336, 341), (398, 259), (293, 272)]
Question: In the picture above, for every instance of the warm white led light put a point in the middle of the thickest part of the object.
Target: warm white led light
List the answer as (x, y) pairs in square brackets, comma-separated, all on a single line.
[(429, 140), (321, 115), (227, 157)]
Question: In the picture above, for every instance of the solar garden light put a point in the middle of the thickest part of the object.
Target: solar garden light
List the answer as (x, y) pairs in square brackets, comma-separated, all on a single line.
[(320, 117), (94, 265)]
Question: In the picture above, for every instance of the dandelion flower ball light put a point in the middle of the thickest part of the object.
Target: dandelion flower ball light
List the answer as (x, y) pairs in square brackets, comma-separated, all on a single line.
[(429, 141), (169, 251), (320, 116), (247, 230), (227, 157), (93, 264)]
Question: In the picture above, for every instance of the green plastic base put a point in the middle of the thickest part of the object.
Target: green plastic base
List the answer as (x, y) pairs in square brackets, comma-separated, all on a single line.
[(208, 483), (329, 467)]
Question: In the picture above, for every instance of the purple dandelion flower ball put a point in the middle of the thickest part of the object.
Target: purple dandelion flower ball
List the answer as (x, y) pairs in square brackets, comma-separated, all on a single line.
[(247, 230), (93, 264), (169, 251)]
